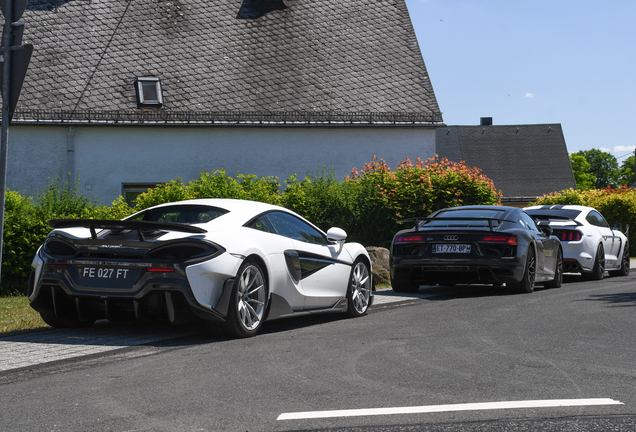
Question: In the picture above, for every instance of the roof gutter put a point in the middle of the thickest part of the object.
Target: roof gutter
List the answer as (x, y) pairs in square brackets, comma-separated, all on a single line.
[(226, 118)]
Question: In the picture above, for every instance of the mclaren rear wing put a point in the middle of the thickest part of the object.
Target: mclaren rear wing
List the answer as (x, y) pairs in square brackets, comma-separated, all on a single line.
[(139, 226)]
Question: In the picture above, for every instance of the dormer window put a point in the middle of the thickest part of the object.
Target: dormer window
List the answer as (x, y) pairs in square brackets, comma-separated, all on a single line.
[(148, 90)]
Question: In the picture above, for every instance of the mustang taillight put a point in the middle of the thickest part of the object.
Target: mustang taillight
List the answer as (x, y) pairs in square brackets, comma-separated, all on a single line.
[(56, 247), (507, 239), (409, 238), (568, 235)]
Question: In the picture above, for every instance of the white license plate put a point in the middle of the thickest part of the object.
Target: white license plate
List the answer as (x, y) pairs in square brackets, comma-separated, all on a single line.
[(451, 248)]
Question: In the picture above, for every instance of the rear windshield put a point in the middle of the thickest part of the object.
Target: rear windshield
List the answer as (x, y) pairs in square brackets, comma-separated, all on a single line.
[(554, 214), (468, 217), (184, 213)]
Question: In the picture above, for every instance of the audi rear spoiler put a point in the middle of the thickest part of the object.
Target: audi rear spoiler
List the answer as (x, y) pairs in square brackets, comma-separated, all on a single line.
[(139, 226), (417, 220)]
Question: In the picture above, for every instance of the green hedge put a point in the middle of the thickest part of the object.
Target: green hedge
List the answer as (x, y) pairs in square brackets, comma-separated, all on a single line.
[(367, 204), (616, 205)]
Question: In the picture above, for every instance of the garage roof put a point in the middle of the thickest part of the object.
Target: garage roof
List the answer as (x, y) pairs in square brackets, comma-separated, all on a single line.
[(524, 161)]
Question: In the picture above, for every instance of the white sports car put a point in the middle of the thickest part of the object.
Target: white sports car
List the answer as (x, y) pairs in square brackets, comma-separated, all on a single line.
[(231, 262), (590, 246)]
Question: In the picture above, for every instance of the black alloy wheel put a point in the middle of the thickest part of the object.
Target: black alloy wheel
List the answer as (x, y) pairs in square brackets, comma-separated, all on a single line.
[(526, 284), (625, 263), (558, 273), (598, 272)]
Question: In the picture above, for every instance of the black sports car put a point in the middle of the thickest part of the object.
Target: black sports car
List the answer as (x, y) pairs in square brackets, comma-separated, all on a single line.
[(476, 245)]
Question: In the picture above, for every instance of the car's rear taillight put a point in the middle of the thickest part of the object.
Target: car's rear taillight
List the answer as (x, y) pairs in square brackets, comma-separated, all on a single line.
[(498, 238), (408, 238), (56, 247), (160, 270), (568, 235), (182, 251)]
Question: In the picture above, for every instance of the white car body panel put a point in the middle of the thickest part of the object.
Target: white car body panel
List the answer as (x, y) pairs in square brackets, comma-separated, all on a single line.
[(583, 251), (203, 282)]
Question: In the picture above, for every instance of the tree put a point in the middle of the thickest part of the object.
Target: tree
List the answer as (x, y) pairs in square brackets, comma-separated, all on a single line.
[(603, 166), (626, 172), (582, 176)]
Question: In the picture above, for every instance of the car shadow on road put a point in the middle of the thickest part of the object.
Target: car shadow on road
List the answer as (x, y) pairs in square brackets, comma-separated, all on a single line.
[(448, 292), (625, 299), (129, 334), (440, 292), (104, 333)]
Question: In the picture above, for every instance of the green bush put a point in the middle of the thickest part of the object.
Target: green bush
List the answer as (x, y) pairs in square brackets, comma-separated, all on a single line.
[(616, 205), (213, 185), (24, 231), (26, 226), (369, 203), (320, 198)]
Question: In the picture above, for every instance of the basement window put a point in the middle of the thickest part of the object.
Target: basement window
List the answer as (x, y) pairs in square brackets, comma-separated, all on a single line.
[(148, 90), (130, 191)]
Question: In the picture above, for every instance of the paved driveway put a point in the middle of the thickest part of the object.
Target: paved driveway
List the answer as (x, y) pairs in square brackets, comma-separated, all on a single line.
[(43, 346), (33, 348)]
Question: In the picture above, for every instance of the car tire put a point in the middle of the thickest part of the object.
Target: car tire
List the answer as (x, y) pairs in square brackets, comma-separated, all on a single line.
[(248, 301), (30, 284), (598, 271), (67, 322), (625, 263), (526, 284), (558, 273), (404, 286), (359, 289)]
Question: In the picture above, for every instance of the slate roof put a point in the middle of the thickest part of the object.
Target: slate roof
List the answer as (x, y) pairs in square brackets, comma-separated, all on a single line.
[(328, 58), (524, 161)]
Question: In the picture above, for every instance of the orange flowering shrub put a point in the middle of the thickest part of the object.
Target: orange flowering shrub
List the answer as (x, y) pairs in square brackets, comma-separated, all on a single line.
[(415, 188)]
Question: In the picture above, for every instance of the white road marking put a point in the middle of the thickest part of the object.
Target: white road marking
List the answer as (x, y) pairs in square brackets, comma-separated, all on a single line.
[(446, 408)]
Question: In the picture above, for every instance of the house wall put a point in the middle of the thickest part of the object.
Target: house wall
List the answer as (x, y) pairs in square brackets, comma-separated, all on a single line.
[(104, 157)]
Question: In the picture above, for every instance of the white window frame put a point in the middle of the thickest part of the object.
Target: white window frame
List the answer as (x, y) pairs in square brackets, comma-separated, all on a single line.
[(142, 101)]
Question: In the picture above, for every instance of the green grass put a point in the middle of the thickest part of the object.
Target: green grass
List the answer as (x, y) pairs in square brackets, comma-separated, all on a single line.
[(17, 316)]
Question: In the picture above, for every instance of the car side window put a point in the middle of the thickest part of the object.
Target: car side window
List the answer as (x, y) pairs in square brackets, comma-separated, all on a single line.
[(188, 214), (595, 218), (529, 222), (290, 226), (260, 224)]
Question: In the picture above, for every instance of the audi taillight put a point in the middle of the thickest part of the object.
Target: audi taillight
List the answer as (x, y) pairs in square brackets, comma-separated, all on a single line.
[(506, 239), (408, 238), (568, 235)]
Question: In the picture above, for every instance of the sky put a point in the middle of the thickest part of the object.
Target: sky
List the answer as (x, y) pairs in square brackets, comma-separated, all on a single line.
[(530, 62)]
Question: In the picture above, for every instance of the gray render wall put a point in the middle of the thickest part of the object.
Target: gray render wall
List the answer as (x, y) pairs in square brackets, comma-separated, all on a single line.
[(107, 156)]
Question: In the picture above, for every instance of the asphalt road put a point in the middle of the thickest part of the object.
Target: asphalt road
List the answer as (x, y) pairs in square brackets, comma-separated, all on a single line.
[(562, 360)]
